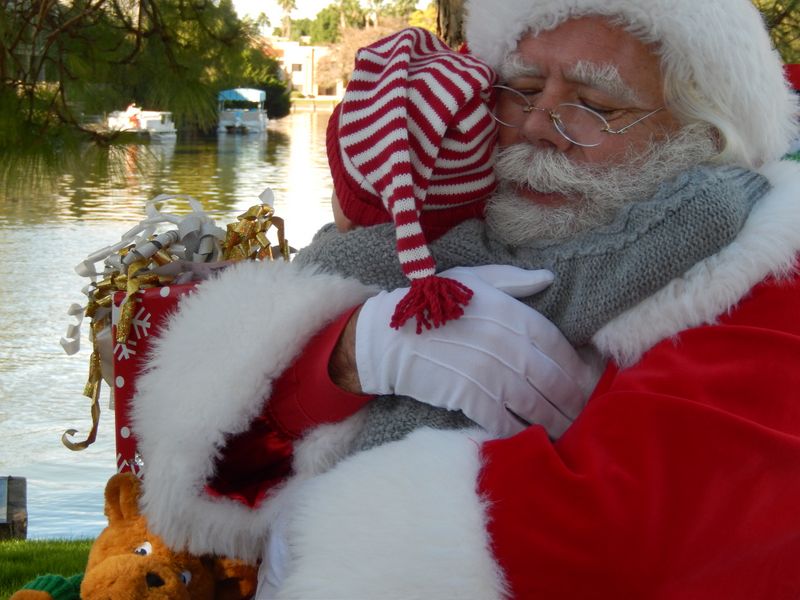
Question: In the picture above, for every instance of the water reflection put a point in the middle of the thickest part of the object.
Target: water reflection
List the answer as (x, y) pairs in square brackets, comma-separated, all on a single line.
[(226, 174), (42, 237)]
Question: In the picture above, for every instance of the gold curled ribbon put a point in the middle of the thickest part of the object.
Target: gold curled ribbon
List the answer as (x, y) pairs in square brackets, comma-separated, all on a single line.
[(92, 391), (126, 311), (247, 239)]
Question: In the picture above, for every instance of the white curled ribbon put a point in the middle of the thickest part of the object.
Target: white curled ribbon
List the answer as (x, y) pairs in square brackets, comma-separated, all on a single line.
[(196, 238), (71, 342), (267, 197)]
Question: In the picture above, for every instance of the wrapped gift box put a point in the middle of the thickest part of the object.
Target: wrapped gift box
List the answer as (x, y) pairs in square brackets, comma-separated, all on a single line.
[(163, 248), (150, 309)]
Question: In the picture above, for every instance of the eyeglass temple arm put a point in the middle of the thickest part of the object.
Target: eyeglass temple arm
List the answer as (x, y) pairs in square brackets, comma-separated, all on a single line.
[(639, 120)]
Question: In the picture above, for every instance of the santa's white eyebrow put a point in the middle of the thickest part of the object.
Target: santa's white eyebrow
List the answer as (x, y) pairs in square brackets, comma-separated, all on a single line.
[(602, 77), (513, 67)]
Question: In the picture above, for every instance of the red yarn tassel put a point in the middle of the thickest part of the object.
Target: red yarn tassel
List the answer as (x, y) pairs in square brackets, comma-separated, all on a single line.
[(433, 301)]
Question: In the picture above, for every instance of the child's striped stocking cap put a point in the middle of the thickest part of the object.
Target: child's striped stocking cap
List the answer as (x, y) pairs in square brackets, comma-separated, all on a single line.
[(412, 142)]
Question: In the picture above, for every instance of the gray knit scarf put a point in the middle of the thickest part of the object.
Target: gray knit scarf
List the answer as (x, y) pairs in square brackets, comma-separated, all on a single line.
[(598, 274)]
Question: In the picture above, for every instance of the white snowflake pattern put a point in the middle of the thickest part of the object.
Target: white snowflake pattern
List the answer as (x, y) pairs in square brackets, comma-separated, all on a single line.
[(125, 351), (141, 323), (135, 465)]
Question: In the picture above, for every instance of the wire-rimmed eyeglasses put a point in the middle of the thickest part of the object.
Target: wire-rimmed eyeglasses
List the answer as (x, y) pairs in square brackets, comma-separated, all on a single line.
[(578, 124)]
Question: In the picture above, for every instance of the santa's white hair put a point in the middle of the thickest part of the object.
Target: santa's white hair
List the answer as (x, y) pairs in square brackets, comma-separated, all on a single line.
[(718, 63)]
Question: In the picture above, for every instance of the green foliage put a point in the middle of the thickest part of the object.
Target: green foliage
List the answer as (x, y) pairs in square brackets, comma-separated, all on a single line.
[(23, 561), (287, 5), (328, 24), (400, 8), (352, 14), (300, 28), (63, 65), (325, 27), (278, 99), (425, 18), (783, 20)]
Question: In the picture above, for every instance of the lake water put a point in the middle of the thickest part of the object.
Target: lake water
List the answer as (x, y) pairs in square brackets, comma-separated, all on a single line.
[(42, 238)]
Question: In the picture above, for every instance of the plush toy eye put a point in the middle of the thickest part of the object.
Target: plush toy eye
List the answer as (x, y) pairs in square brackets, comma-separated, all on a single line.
[(186, 577), (144, 549)]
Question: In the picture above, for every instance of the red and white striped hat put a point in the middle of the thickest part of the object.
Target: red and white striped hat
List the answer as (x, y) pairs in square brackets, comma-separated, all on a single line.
[(413, 142)]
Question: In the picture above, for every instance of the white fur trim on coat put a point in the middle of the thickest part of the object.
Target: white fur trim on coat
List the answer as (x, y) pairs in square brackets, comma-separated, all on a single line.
[(718, 51), (768, 244), (207, 377), (403, 520)]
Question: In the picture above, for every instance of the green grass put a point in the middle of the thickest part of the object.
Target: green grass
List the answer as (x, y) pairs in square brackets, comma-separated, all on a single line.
[(22, 561)]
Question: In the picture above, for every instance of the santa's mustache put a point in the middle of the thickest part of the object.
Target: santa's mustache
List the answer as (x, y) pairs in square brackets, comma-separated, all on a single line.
[(551, 172), (634, 176)]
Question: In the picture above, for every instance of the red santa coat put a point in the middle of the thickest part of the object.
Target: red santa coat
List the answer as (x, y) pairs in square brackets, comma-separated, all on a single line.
[(679, 480)]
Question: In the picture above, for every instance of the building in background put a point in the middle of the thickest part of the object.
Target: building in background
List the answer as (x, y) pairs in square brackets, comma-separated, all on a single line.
[(300, 63)]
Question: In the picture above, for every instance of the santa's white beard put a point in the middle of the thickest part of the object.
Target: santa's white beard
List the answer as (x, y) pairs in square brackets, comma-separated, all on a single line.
[(595, 193)]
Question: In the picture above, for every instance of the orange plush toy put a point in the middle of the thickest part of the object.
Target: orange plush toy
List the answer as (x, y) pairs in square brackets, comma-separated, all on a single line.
[(128, 562)]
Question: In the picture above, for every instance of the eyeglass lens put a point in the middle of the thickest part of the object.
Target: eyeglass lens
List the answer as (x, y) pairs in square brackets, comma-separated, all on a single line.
[(577, 123)]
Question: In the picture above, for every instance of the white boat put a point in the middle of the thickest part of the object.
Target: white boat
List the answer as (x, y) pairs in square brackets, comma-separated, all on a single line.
[(241, 110), (146, 122)]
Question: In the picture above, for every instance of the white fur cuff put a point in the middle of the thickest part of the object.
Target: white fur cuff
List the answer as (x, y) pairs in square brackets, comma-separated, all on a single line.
[(403, 520), (207, 377)]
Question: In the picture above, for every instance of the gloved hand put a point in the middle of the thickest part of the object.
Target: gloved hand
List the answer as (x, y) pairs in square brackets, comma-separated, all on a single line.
[(502, 364)]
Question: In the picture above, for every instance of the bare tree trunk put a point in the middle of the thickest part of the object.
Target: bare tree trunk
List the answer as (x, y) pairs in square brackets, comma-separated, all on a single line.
[(450, 16)]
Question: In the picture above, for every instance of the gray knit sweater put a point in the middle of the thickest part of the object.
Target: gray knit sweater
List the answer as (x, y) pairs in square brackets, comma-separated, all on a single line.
[(598, 274)]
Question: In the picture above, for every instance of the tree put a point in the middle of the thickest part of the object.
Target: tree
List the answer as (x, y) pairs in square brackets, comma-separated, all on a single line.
[(287, 6), (300, 28), (262, 22), (263, 72), (325, 27), (351, 14), (450, 19), (425, 18), (338, 65), (62, 61), (400, 8), (374, 11)]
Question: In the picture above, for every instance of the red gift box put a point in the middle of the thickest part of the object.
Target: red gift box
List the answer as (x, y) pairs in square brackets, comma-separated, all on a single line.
[(150, 311)]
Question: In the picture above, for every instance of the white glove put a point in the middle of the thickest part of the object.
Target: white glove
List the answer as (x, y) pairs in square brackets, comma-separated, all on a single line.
[(502, 364)]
